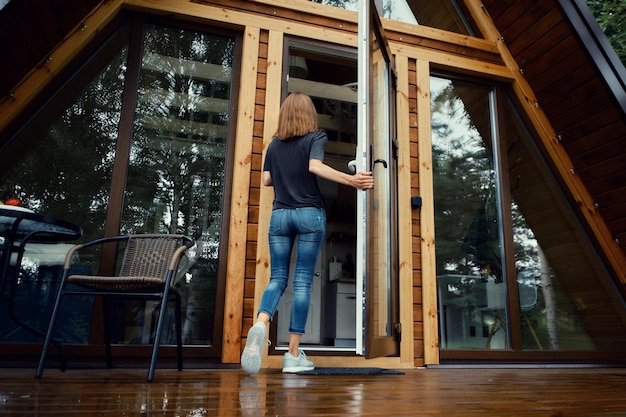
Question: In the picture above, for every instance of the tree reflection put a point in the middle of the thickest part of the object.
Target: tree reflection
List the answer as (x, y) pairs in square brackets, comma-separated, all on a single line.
[(67, 170), (177, 165)]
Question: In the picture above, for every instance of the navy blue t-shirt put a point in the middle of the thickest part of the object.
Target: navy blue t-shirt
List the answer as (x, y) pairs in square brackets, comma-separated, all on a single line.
[(288, 163)]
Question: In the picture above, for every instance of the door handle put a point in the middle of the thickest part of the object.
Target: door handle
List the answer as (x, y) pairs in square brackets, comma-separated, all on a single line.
[(352, 166), (379, 161)]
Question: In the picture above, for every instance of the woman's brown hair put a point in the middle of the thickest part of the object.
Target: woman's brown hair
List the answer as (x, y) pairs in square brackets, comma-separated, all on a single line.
[(297, 116)]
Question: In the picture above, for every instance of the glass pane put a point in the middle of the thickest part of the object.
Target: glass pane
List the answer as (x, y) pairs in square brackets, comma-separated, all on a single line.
[(471, 289), (177, 165), (379, 216), (65, 172), (446, 15), (566, 299)]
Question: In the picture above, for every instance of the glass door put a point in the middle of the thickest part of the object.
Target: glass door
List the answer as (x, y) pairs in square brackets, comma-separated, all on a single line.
[(328, 74), (356, 280), (376, 209), (471, 275)]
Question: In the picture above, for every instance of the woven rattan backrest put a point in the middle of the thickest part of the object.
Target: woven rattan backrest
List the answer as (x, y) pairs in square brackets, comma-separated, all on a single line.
[(149, 255)]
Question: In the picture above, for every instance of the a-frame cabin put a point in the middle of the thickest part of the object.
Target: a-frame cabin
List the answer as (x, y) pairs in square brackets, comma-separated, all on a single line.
[(507, 202)]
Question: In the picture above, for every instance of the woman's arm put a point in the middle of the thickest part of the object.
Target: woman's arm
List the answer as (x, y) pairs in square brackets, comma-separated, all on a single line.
[(360, 180)]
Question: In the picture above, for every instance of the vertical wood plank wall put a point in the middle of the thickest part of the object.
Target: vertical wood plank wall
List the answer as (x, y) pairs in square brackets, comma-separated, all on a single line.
[(405, 220), (416, 276), (250, 285), (239, 225), (270, 109), (427, 272)]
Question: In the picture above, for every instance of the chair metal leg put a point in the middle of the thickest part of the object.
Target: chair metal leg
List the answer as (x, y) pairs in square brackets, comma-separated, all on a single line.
[(159, 329), (48, 338)]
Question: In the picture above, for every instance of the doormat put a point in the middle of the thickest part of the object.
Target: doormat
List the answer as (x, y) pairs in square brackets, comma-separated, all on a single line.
[(351, 371)]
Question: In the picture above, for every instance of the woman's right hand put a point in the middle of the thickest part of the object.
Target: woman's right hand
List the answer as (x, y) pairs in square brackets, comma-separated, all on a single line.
[(363, 180)]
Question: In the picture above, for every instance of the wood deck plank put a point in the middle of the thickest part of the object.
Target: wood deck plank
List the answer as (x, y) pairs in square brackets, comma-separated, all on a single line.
[(419, 392)]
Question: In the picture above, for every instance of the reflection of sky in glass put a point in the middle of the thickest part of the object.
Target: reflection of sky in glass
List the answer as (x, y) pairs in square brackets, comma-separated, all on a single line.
[(392, 9), (451, 114), (462, 140), (398, 10)]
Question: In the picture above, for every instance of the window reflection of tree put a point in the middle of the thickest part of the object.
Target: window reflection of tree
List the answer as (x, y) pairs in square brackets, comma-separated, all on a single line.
[(177, 168), (464, 175)]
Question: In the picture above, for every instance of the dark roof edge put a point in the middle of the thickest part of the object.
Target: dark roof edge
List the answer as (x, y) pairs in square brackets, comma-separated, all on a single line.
[(604, 57)]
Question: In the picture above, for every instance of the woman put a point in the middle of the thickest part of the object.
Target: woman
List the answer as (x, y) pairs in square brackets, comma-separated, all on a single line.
[(293, 163)]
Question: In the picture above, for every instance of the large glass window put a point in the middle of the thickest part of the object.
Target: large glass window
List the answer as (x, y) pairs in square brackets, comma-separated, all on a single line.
[(514, 269), (566, 299), (177, 163), (65, 171), (470, 272), (176, 174)]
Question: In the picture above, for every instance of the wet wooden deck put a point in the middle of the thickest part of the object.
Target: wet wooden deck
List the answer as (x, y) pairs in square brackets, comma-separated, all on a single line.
[(551, 392)]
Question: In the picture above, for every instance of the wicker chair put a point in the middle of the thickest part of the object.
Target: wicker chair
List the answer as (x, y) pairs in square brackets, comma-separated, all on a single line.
[(147, 271)]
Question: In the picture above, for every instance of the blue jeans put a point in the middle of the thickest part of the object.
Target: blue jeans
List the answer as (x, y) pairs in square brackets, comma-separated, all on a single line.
[(307, 226)]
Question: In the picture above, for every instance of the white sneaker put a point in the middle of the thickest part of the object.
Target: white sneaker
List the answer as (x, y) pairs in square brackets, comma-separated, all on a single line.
[(301, 363), (251, 356)]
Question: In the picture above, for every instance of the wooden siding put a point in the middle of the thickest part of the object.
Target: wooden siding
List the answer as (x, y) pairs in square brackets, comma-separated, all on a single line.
[(416, 228), (239, 226), (410, 337), (425, 276), (253, 285)]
